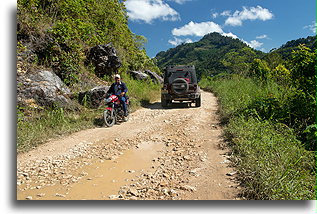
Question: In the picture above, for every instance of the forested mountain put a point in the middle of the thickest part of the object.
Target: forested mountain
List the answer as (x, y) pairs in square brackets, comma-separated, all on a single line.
[(210, 55), (215, 54), (286, 50)]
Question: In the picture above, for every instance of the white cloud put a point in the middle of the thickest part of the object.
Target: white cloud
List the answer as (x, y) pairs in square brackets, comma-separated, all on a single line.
[(252, 13), (203, 28), (312, 27), (197, 29), (178, 41), (148, 10), (214, 15), (180, 1), (226, 13), (230, 35), (254, 44), (264, 36)]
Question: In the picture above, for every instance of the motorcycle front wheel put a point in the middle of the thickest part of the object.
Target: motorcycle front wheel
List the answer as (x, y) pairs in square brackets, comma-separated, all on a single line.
[(108, 119)]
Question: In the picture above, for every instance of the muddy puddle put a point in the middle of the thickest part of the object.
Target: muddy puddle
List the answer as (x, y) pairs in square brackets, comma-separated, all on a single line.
[(101, 178)]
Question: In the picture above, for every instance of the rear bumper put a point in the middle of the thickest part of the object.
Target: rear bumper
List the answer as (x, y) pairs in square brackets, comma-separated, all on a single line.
[(185, 97)]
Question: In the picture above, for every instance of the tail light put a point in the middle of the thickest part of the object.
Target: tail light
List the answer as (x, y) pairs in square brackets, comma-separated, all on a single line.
[(187, 80)]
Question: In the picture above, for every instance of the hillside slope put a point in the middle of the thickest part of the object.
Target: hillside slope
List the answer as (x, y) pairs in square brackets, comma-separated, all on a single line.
[(68, 50), (215, 54), (286, 49), (207, 54), (58, 34)]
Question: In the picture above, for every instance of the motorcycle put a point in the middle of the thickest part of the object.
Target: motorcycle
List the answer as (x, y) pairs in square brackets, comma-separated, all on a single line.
[(114, 113)]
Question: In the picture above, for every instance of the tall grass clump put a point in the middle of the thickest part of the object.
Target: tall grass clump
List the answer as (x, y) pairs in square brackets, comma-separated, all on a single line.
[(51, 123), (273, 162)]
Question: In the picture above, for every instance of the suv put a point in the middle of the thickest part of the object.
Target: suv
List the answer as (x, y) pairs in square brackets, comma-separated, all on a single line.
[(180, 84)]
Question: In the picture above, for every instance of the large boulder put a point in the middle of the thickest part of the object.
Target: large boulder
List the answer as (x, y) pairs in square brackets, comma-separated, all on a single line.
[(94, 97), (43, 88), (104, 58), (146, 75), (138, 75), (154, 76)]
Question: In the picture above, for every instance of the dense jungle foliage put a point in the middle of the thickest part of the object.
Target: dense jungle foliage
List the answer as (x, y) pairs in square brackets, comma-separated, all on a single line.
[(59, 33)]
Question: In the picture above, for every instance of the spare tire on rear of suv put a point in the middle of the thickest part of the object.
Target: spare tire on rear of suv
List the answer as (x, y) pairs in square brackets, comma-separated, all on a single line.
[(180, 86)]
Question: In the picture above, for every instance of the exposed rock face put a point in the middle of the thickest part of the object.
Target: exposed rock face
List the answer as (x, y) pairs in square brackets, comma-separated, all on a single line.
[(44, 88), (139, 75), (94, 97), (146, 75), (104, 58), (154, 76)]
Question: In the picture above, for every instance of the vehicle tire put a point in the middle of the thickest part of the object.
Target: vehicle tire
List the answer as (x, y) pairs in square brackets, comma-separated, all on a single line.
[(108, 119), (180, 86), (198, 102), (163, 103)]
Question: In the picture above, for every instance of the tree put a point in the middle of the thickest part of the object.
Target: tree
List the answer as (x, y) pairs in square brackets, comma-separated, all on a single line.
[(238, 61), (259, 69), (273, 59), (280, 74), (302, 66)]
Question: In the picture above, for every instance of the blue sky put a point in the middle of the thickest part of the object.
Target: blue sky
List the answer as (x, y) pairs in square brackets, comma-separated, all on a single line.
[(262, 24)]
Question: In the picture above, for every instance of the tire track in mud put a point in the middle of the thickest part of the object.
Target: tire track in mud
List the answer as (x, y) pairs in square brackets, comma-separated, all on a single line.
[(160, 154)]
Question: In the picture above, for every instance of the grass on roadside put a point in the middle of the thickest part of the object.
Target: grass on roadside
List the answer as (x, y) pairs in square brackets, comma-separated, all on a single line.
[(48, 124), (272, 163), (43, 125)]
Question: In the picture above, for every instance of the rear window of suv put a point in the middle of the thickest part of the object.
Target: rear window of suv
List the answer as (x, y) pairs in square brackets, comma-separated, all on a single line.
[(172, 75)]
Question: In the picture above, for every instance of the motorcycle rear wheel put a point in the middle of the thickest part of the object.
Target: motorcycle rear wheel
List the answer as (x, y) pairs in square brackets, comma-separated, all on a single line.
[(108, 119)]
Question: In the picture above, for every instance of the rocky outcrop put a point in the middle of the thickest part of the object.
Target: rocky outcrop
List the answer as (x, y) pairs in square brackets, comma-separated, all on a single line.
[(104, 58), (138, 75), (43, 88), (154, 76), (94, 97), (146, 75)]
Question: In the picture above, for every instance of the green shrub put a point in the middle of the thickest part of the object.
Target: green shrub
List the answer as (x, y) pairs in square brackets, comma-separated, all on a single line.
[(267, 101), (264, 124)]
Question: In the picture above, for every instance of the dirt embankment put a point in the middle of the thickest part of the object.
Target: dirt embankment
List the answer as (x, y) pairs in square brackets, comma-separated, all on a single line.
[(174, 153)]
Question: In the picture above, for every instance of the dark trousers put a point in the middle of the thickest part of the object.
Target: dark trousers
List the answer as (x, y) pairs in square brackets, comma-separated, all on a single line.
[(124, 105)]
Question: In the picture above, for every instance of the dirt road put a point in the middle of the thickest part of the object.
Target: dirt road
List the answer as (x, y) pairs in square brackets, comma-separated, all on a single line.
[(163, 154)]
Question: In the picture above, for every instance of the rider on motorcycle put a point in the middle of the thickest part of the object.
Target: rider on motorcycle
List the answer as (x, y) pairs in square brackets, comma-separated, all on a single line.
[(119, 89)]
